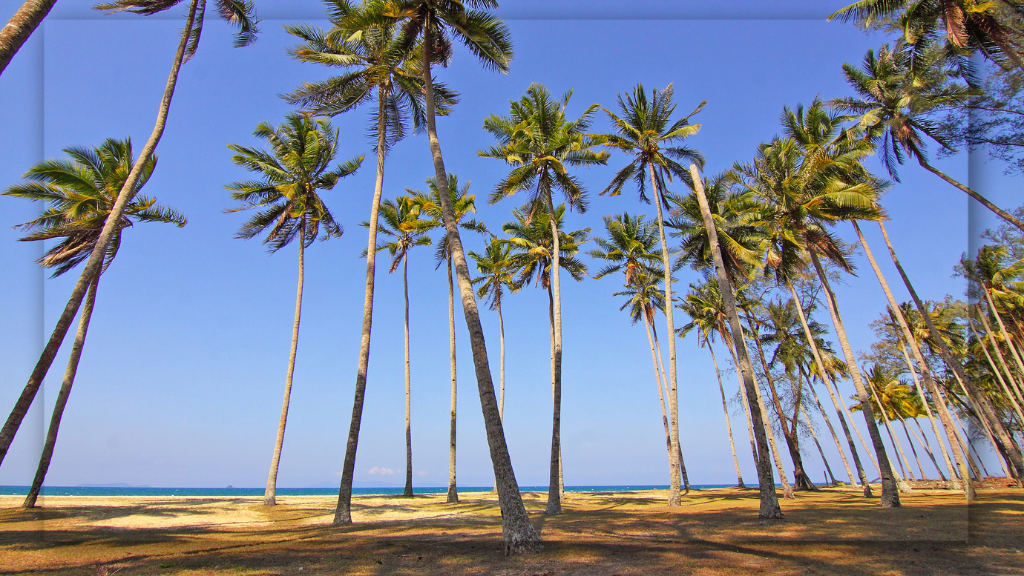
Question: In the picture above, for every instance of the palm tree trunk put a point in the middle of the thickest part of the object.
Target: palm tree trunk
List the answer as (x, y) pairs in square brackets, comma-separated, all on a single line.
[(923, 440), (270, 494), (787, 489), (62, 397), (743, 397), (728, 425), (984, 408), (890, 492), (1009, 344), (831, 429), (501, 332), (906, 433), (769, 500), (823, 375), (814, 435), (999, 354), (555, 468), (408, 390), (453, 493), (931, 418), (661, 395), (343, 511), (800, 479), (519, 535), (901, 459), (679, 471), (20, 27), (984, 201), (908, 337), (92, 267), (673, 396)]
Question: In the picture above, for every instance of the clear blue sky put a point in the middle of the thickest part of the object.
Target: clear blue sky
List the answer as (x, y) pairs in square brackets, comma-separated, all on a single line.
[(182, 375)]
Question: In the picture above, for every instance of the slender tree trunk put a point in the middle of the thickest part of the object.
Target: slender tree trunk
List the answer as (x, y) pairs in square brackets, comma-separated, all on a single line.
[(20, 27), (343, 511), (901, 459), (906, 433), (828, 469), (728, 425), (62, 396), (453, 493), (519, 535), (744, 399), (984, 201), (835, 437), (678, 471), (408, 390), (1002, 362), (661, 396), (928, 412), (682, 473), (769, 500), (890, 492), (270, 494), (1002, 329), (554, 505), (501, 333), (92, 267), (800, 479), (923, 440), (984, 408), (787, 489), (823, 375)]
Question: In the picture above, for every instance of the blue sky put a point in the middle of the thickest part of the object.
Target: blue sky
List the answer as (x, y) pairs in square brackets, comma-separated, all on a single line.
[(182, 375)]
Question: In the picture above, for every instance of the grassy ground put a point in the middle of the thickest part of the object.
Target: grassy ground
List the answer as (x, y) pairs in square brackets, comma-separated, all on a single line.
[(832, 532)]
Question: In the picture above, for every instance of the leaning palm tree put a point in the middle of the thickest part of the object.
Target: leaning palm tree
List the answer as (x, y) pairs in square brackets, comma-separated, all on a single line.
[(239, 14), (78, 194), (20, 27), (373, 58), (288, 207), (464, 203), (896, 93), (646, 132), (497, 276), (540, 143), (433, 24), (402, 220)]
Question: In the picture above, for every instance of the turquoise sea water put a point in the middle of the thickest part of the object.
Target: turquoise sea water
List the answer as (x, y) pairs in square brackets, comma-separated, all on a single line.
[(148, 491)]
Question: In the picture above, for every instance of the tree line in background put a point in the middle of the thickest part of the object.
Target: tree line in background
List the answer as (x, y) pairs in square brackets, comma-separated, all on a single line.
[(761, 235)]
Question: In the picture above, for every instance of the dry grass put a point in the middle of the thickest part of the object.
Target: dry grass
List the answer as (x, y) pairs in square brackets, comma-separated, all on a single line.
[(714, 532)]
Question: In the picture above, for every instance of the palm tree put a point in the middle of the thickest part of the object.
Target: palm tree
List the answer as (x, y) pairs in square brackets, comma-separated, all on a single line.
[(463, 202), (403, 221), (239, 14), (22, 24), (769, 500), (288, 207), (629, 248), (646, 132), (896, 91), (373, 57), (78, 193), (497, 276), (539, 143), (433, 23)]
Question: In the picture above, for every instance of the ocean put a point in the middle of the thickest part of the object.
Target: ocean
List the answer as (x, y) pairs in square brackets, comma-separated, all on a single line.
[(150, 491)]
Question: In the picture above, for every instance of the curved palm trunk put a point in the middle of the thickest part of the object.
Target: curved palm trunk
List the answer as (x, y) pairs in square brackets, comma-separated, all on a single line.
[(944, 415), (343, 511), (92, 267), (800, 479), (728, 425), (408, 390), (270, 494), (20, 27), (519, 534), (984, 201), (62, 397), (983, 406), (661, 395), (453, 494), (680, 471), (890, 492), (673, 392), (769, 500), (823, 375)]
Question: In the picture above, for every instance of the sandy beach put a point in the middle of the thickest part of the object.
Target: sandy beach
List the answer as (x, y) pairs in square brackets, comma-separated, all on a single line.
[(835, 531)]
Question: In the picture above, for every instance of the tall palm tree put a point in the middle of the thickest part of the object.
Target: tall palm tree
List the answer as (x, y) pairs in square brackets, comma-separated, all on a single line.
[(630, 248), (402, 220), (769, 500), (645, 131), (540, 143), (373, 57), (78, 194), (239, 14), (896, 93), (433, 23), (497, 276), (463, 203), (287, 207)]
